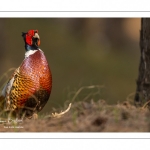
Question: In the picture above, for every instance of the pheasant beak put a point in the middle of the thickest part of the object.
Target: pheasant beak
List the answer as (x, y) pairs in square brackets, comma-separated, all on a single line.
[(36, 39), (36, 36)]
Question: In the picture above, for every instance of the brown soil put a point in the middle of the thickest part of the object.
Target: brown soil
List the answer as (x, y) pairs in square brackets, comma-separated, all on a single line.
[(88, 117)]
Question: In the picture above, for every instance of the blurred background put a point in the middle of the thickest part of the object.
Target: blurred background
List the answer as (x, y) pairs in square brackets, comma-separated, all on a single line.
[(81, 52)]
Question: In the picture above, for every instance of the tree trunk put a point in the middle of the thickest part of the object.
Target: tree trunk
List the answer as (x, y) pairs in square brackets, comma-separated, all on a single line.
[(143, 83)]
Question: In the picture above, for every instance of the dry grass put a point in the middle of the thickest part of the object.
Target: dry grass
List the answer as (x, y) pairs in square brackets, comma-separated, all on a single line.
[(88, 117)]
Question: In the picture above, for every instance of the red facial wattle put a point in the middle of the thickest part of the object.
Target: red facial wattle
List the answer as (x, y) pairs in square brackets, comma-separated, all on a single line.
[(29, 36)]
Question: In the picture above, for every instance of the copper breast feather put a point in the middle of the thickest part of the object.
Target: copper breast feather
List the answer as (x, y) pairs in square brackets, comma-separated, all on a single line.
[(32, 85)]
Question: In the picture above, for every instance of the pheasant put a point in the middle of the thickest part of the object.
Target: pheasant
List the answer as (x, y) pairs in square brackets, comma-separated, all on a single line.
[(29, 87)]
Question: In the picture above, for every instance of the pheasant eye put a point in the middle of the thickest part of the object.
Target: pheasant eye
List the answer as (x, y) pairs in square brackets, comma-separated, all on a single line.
[(35, 31)]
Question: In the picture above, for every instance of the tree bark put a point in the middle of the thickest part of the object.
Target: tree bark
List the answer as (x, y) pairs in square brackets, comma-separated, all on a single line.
[(143, 82)]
